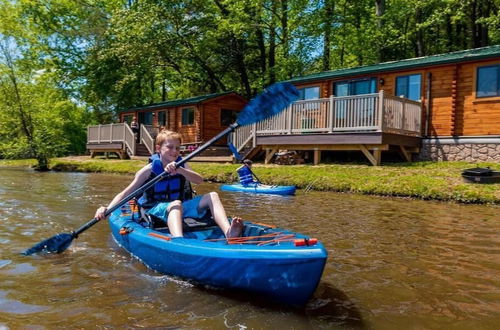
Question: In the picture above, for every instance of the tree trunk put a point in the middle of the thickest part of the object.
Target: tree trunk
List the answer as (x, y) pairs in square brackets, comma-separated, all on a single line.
[(379, 12), (344, 33), (419, 36), (474, 37), (164, 85), (237, 51), (327, 33), (272, 45), (239, 59), (260, 42), (284, 27)]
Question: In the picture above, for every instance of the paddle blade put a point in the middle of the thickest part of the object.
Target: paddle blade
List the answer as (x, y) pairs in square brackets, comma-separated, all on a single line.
[(55, 244), (273, 100)]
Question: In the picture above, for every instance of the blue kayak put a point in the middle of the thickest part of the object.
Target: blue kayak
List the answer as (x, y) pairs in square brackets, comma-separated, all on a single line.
[(258, 188), (283, 266)]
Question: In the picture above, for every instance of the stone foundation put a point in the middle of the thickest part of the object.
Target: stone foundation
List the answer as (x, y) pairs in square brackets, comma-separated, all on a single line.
[(466, 149)]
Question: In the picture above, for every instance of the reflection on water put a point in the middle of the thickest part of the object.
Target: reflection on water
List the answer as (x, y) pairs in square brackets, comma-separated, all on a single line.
[(393, 263)]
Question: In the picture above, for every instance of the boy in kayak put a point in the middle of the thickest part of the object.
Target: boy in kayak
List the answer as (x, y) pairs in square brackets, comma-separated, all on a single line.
[(245, 173), (165, 200)]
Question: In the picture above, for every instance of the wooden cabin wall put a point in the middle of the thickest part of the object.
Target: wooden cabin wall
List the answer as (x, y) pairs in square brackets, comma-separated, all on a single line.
[(189, 133), (479, 116), (454, 108), (211, 117)]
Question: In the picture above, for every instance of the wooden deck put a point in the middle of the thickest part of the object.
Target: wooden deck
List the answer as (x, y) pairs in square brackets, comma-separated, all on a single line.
[(370, 123)]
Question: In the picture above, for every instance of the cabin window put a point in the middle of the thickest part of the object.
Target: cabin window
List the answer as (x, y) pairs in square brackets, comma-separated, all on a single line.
[(188, 116), (146, 118), (409, 86), (162, 118), (488, 81), (227, 117), (346, 107), (355, 87), (309, 93)]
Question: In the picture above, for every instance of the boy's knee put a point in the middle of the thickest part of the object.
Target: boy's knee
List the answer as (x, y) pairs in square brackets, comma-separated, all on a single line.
[(213, 195), (174, 205)]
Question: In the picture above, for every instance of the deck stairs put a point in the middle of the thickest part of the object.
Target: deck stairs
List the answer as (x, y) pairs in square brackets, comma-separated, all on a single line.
[(141, 150)]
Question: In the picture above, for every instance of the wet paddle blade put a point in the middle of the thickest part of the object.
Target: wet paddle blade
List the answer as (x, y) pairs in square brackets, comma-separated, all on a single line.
[(272, 101), (55, 244)]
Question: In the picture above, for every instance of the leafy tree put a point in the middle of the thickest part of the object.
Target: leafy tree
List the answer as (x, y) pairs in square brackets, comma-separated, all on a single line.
[(37, 115)]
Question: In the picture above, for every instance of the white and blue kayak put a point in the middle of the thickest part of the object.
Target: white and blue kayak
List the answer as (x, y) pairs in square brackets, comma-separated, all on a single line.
[(259, 188), (275, 263)]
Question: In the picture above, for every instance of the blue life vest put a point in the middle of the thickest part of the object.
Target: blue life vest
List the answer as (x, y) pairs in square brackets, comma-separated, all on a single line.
[(245, 175), (167, 189)]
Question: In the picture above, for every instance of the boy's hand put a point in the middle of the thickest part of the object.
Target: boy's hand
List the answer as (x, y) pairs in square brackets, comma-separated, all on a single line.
[(99, 214), (171, 168)]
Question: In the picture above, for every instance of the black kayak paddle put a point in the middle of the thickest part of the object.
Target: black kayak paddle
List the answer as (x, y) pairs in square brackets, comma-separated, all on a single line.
[(270, 102)]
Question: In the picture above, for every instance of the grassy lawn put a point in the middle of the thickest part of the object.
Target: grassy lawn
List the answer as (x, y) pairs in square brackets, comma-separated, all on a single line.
[(424, 180)]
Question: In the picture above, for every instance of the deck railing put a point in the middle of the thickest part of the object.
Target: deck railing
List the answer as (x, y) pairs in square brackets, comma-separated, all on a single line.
[(112, 133), (377, 112), (146, 138)]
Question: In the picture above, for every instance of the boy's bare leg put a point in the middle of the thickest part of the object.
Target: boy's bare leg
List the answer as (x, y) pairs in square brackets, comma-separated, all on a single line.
[(174, 220), (212, 201)]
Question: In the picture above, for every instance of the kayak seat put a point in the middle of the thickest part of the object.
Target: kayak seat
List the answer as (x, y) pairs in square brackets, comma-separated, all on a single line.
[(189, 224), (250, 230)]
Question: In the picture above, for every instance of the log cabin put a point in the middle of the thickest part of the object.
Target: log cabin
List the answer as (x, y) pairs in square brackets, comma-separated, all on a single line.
[(197, 119), (440, 107)]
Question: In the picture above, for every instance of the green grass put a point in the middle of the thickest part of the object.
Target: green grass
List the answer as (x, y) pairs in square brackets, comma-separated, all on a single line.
[(423, 180), (17, 162)]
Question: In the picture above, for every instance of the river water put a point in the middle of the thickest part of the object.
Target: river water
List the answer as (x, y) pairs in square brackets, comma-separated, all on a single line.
[(393, 263)]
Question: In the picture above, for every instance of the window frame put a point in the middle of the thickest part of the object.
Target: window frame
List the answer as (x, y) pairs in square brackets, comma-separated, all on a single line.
[(302, 92), (372, 81), (407, 92), (187, 121), (234, 115), (165, 112), (476, 83)]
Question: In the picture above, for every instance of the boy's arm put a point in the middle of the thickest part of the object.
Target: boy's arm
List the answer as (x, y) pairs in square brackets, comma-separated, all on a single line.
[(189, 174), (139, 179)]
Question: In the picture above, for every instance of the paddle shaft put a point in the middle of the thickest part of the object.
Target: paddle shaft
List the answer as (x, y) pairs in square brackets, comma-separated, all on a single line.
[(151, 183)]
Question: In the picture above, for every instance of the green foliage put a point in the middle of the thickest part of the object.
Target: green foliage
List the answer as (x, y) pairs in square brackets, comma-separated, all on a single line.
[(105, 55)]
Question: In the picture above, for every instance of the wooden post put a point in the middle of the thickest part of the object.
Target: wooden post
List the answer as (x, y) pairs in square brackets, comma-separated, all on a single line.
[(405, 153), (289, 116), (403, 117), (317, 156), (375, 158), (99, 133), (254, 131), (330, 118), (381, 110), (269, 154), (377, 154)]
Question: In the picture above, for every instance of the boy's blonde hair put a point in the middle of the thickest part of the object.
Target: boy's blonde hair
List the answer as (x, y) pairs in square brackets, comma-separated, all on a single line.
[(165, 135)]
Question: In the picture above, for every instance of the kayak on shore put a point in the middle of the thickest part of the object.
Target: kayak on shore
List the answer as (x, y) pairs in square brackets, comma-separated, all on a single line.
[(258, 188), (278, 264)]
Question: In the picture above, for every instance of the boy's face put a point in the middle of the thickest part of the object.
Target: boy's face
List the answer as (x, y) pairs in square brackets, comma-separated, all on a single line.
[(169, 150)]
